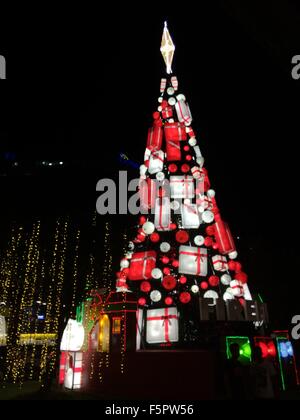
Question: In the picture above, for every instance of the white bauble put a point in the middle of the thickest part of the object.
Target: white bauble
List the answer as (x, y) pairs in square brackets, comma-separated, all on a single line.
[(171, 120), (208, 216), (192, 141), (199, 240), (155, 296), (201, 209), (211, 294), (226, 279), (143, 169), (160, 99), (187, 201), (128, 255), (228, 295), (165, 247), (159, 108), (156, 273), (200, 161), (170, 91), (131, 245), (211, 193), (124, 263), (195, 288), (148, 228), (160, 176), (172, 101), (232, 255), (180, 97), (174, 205)]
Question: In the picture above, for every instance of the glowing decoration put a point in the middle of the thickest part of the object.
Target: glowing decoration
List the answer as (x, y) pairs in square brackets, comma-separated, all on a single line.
[(195, 288), (145, 286), (199, 240), (182, 280), (142, 301), (169, 282), (225, 279), (73, 336), (156, 273), (192, 260), (155, 296), (211, 294), (165, 247), (162, 325), (244, 348), (73, 373), (283, 350), (167, 49), (148, 228), (184, 297)]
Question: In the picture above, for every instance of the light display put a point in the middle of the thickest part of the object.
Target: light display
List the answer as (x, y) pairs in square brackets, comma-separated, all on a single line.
[(244, 345)]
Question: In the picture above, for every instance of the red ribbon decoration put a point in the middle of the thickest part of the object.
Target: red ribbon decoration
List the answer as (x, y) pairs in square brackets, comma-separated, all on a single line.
[(165, 317)]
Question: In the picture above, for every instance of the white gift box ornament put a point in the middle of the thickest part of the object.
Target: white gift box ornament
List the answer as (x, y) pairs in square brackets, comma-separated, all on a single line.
[(162, 217), (192, 260), (182, 186), (237, 288), (156, 161), (220, 263), (73, 336), (190, 216), (162, 325), (183, 112)]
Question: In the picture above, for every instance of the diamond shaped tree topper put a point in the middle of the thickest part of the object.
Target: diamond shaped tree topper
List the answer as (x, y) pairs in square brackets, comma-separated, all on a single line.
[(167, 48)]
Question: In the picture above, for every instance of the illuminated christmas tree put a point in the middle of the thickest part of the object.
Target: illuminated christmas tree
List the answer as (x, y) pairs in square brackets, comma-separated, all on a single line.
[(183, 249)]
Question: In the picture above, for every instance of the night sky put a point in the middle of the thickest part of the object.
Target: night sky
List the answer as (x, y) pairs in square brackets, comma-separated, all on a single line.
[(82, 86)]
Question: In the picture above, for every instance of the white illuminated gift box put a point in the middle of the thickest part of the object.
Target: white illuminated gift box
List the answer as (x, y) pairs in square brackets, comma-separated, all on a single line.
[(73, 370), (182, 186), (156, 161), (73, 336), (162, 325), (190, 216), (162, 217), (192, 260)]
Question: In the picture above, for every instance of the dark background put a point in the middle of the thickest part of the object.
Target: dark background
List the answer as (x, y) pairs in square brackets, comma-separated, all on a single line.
[(81, 88)]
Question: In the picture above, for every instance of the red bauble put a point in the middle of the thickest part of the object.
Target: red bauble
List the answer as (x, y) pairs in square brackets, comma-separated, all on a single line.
[(238, 267), (241, 276), (145, 286), (164, 104), (154, 237), (158, 123), (125, 271), (204, 285), (188, 157), (169, 282), (142, 220), (210, 230), (186, 148), (166, 271), (173, 226), (208, 241), (182, 280), (214, 281), (165, 260), (168, 300), (215, 246), (231, 265), (140, 237), (217, 215), (184, 297), (182, 236), (185, 168), (156, 115), (172, 167), (175, 263), (142, 301), (123, 275)]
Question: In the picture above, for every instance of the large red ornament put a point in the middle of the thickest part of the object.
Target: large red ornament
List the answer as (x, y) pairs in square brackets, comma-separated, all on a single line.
[(241, 276), (154, 237), (165, 260), (210, 230), (186, 148), (156, 115), (145, 286), (188, 157), (175, 263), (214, 281), (142, 220), (125, 271), (238, 267), (172, 168), (184, 297), (185, 168), (173, 226), (231, 265), (182, 236), (169, 282), (166, 271), (204, 285)]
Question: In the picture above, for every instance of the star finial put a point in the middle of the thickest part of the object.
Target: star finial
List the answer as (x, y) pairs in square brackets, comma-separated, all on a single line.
[(167, 48)]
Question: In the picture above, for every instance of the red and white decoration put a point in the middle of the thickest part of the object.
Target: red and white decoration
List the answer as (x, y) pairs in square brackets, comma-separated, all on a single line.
[(156, 161), (175, 131), (174, 83), (173, 150), (163, 84), (223, 237), (155, 136), (237, 288), (162, 217), (220, 263), (141, 265), (167, 112), (183, 112), (190, 216), (162, 325), (192, 260), (73, 370), (147, 193), (73, 336), (182, 186)]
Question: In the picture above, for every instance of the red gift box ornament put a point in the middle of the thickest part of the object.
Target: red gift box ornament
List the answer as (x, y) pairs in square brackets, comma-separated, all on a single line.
[(174, 82), (167, 112), (147, 193), (175, 131), (141, 265), (162, 218), (155, 136), (173, 150), (223, 237)]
